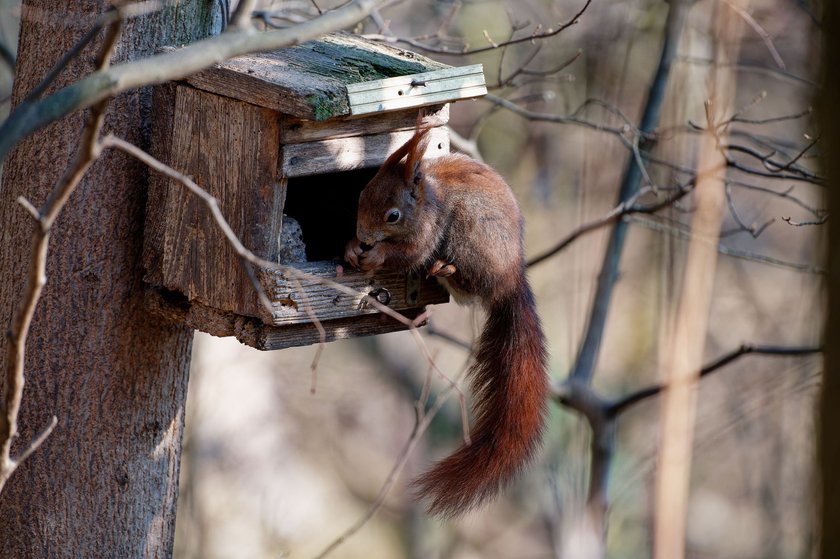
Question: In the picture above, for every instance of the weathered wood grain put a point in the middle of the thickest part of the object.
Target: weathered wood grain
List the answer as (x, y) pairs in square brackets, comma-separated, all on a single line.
[(253, 332), (439, 86), (231, 149), (272, 337), (298, 130), (290, 297), (309, 80), (345, 154)]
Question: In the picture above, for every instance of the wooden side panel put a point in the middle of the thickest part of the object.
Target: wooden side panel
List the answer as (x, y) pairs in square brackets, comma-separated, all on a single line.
[(231, 149), (346, 154)]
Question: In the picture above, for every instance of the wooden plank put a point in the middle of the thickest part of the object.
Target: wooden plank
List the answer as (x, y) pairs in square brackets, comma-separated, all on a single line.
[(266, 338), (440, 86), (419, 100), (290, 297), (252, 332), (309, 80), (345, 154), (297, 130), (442, 74), (298, 96)]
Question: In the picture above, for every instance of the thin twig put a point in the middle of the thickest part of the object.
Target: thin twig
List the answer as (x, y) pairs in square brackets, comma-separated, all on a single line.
[(820, 221), (753, 229), (420, 44), (322, 334), (785, 195), (558, 119), (765, 36), (241, 17), (623, 404), (623, 209), (650, 223)]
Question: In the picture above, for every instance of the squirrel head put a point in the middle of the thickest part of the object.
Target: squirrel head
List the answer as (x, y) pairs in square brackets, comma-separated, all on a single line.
[(391, 203)]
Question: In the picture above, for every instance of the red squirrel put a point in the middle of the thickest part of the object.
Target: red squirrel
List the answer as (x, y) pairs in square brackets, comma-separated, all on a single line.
[(456, 219)]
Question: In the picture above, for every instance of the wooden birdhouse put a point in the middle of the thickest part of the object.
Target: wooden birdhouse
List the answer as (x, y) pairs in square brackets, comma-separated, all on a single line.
[(285, 141)]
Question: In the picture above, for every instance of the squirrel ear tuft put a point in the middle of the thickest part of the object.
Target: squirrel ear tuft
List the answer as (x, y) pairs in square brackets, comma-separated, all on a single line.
[(416, 148)]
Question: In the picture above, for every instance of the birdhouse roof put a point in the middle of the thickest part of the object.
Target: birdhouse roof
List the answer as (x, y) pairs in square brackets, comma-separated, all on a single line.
[(337, 75)]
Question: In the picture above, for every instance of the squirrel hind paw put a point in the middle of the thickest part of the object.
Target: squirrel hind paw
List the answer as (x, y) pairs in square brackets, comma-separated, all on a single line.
[(441, 269)]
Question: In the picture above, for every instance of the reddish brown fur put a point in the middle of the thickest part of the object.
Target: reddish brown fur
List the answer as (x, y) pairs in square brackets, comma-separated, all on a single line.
[(459, 214)]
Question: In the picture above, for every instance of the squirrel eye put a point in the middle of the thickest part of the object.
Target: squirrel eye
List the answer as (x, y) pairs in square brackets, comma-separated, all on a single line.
[(393, 215)]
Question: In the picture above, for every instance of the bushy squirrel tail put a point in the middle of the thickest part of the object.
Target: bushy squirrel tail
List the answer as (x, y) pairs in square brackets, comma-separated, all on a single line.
[(510, 388)]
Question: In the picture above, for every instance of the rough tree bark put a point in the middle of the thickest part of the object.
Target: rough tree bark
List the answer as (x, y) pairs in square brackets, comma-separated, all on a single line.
[(105, 483)]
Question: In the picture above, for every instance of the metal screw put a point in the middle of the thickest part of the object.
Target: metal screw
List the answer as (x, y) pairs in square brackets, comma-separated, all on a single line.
[(382, 295)]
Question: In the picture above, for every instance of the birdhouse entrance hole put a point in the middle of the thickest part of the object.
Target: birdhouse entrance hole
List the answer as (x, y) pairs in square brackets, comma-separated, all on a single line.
[(325, 208)]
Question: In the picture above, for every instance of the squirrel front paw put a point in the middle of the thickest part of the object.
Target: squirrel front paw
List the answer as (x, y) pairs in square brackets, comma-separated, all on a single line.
[(352, 252), (372, 259), (364, 257)]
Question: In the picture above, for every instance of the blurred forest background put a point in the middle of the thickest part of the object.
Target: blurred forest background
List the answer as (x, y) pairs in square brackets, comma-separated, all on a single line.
[(271, 470)]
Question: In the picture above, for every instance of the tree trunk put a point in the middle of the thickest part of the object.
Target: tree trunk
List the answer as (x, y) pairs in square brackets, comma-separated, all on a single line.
[(105, 483)]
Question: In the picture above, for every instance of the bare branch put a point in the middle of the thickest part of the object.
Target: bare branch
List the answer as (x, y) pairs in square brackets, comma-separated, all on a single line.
[(32, 116), (241, 17), (558, 119), (820, 221), (785, 194), (726, 250), (322, 334), (617, 407), (765, 36), (421, 44), (623, 209), (775, 169), (752, 229), (783, 118)]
